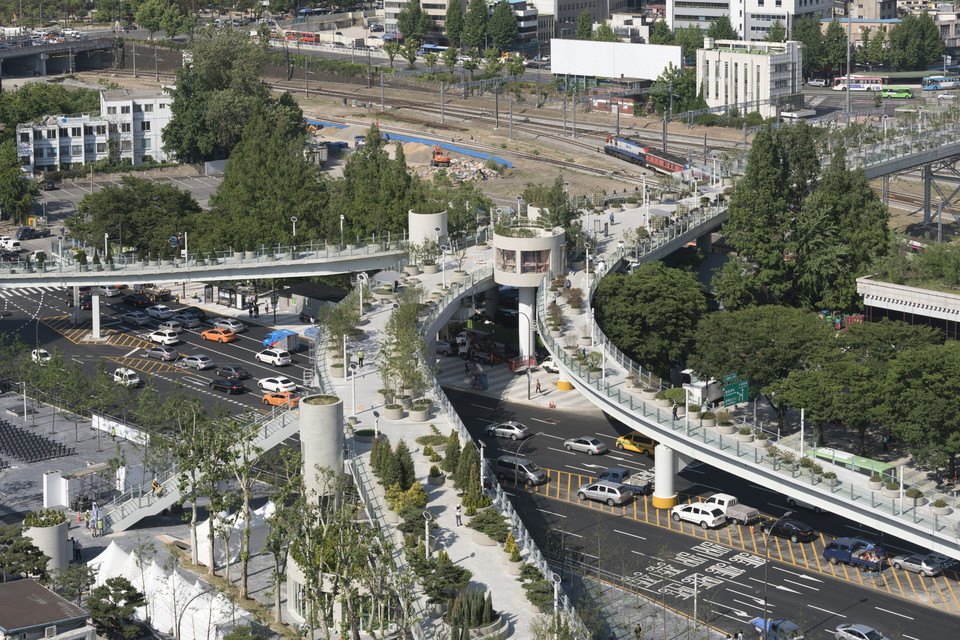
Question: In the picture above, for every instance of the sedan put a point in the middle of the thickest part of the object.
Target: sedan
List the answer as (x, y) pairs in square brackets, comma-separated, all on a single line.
[(164, 337), (705, 515), (49, 185), (136, 300), (220, 335), (512, 430), (111, 290), (187, 320), (605, 491), (277, 384), (794, 529), (196, 312), (160, 312), (286, 399), (40, 356), (136, 318), (227, 385), (161, 352), (918, 563), (198, 362), (230, 324), (232, 371), (849, 631), (590, 446)]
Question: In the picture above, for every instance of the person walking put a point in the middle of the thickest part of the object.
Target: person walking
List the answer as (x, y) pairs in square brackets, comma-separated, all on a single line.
[(638, 631), (886, 443), (538, 387), (360, 357), (674, 410), (86, 519), (100, 528), (250, 310), (459, 523)]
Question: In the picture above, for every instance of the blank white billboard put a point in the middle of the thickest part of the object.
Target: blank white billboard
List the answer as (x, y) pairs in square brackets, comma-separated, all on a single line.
[(612, 59)]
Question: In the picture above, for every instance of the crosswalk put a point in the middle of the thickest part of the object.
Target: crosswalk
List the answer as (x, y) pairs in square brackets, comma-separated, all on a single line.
[(19, 291)]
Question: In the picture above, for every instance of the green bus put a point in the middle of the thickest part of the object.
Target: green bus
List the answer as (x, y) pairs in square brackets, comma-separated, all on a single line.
[(897, 92)]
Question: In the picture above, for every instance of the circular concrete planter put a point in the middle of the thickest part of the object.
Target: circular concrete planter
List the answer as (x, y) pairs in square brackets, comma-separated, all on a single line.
[(430, 269), (337, 372), (891, 493), (939, 511), (514, 568), (436, 480), (394, 413), (662, 402), (249, 255), (876, 486), (383, 399), (419, 415), (412, 270), (493, 630), (744, 437), (708, 422), (52, 542), (457, 276), (482, 539), (586, 341), (631, 205), (728, 429), (648, 394)]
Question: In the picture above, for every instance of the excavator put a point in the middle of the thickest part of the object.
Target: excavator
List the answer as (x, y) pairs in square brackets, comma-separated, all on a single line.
[(440, 157)]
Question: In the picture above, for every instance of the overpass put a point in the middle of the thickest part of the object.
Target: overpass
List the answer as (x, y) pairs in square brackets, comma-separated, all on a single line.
[(21, 57)]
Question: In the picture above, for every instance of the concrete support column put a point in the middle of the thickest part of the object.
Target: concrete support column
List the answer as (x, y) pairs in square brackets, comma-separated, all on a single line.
[(705, 242), (321, 438), (42, 64), (95, 312), (492, 301), (563, 381), (76, 306), (528, 310), (665, 471)]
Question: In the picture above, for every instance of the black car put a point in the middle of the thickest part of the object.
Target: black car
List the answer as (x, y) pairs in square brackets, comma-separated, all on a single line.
[(794, 529), (29, 233), (49, 185), (136, 300), (232, 371), (228, 385), (9, 256)]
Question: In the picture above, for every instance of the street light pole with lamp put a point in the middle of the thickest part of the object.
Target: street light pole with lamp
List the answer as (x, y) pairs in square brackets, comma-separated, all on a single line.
[(766, 564), (341, 232), (427, 517), (517, 456), (716, 179), (555, 578), (443, 264), (293, 219), (587, 245), (362, 278), (353, 380)]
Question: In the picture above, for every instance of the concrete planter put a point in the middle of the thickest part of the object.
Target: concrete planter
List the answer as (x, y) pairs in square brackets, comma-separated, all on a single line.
[(363, 439), (708, 422), (430, 269), (648, 394), (727, 429), (493, 630), (586, 341), (412, 270), (395, 413), (482, 539), (744, 437), (891, 493), (458, 276), (876, 486), (662, 402), (337, 372), (631, 205), (249, 255), (52, 542), (383, 398), (419, 415), (436, 480), (556, 333), (940, 511), (514, 568)]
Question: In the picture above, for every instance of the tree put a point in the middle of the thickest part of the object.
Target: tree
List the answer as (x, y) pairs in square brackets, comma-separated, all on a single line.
[(413, 22), (807, 30), (778, 32), (835, 47), (149, 16), (174, 22), (721, 29), (660, 33), (875, 52), (475, 24), (676, 87), (430, 60), (74, 580), (19, 557), (605, 34), (584, 30), (16, 191), (690, 39), (112, 606), (502, 26), (409, 53), (651, 313), (392, 49), (514, 66), (449, 56), (453, 25), (492, 62)]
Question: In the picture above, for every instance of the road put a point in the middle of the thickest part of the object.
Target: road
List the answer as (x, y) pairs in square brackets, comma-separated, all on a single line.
[(665, 565)]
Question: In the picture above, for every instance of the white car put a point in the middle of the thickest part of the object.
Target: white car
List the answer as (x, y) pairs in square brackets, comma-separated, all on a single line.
[(230, 323), (137, 318), (549, 365), (277, 384), (198, 362), (947, 96), (164, 337), (276, 357), (701, 513), (40, 356), (817, 82), (110, 290), (160, 312), (126, 377)]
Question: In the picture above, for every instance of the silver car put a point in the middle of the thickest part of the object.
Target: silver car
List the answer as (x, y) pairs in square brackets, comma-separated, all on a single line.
[(918, 563), (138, 318), (161, 352), (231, 324), (198, 362), (605, 491), (188, 320), (590, 446), (511, 429), (849, 631)]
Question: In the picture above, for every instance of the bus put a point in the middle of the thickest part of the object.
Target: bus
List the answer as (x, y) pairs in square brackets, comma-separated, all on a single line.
[(897, 92), (938, 83), (858, 83), (303, 13), (431, 48)]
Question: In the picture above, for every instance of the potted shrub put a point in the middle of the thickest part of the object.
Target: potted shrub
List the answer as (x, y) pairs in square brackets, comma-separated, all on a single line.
[(435, 477), (708, 419), (142, 258), (648, 393), (891, 490), (914, 496), (761, 436), (393, 412), (876, 482), (97, 266), (661, 399), (337, 370), (513, 553), (745, 434), (425, 453), (364, 435), (830, 477), (420, 412), (939, 507), (789, 460), (725, 423)]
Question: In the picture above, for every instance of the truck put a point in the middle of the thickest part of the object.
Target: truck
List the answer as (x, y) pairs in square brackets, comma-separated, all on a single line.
[(701, 391), (862, 554), (620, 475), (777, 629), (733, 509), (153, 292)]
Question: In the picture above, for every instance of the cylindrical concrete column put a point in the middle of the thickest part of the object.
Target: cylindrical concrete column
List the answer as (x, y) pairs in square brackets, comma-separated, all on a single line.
[(321, 437), (563, 382), (527, 307), (52, 542), (665, 470), (423, 226), (95, 311), (492, 296)]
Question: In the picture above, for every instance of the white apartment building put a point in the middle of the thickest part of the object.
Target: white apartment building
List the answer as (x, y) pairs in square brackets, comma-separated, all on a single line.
[(751, 19), (565, 12), (131, 122), (732, 72)]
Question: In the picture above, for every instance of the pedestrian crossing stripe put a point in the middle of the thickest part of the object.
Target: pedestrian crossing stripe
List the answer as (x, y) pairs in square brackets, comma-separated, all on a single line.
[(145, 365), (20, 291)]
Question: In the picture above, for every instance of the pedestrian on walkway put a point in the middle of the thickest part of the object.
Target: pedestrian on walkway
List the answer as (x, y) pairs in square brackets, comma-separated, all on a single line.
[(76, 550), (459, 523), (360, 357), (674, 410), (611, 218), (100, 528), (886, 443), (466, 367), (638, 631), (86, 519), (250, 310), (538, 387), (256, 310)]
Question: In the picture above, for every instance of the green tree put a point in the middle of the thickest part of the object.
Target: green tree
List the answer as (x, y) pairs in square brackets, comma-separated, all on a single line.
[(16, 191), (453, 25), (931, 44), (174, 22), (409, 53), (690, 39), (214, 96), (469, 458), (19, 557), (807, 30), (660, 33), (75, 580), (778, 32), (835, 47), (149, 16), (502, 26), (584, 30), (682, 85), (430, 60), (35, 100), (722, 29), (413, 22), (605, 34), (449, 58), (392, 49), (112, 606), (651, 313), (875, 52), (492, 62), (475, 24), (514, 66)]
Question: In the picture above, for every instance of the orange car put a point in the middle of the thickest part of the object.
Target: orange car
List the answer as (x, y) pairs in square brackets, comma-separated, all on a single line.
[(282, 399), (220, 335)]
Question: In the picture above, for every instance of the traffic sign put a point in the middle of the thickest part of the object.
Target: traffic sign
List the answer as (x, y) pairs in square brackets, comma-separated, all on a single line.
[(735, 393), (174, 241), (730, 377)]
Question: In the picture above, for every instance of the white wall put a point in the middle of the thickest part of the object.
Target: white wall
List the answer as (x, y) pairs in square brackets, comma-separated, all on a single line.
[(611, 59)]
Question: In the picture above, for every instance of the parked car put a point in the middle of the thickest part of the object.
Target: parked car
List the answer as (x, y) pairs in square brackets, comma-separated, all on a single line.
[(733, 509), (849, 631), (918, 563), (277, 384), (276, 357), (699, 513), (795, 530), (636, 441), (164, 337), (40, 356), (511, 429), (232, 371), (228, 385), (30, 233), (590, 446), (521, 470), (198, 362), (49, 185), (282, 399), (549, 365), (231, 324), (196, 312), (161, 352), (864, 555), (444, 348), (160, 312), (136, 318), (604, 491), (817, 82), (619, 475), (218, 335), (799, 502)]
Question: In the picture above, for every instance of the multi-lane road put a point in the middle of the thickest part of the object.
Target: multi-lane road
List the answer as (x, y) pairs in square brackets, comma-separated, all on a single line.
[(722, 570)]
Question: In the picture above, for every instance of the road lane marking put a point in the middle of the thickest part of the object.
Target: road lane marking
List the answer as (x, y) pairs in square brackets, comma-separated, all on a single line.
[(632, 535), (833, 613), (569, 453), (550, 422), (483, 406), (799, 584), (796, 575), (559, 515), (550, 435), (130, 353), (894, 613)]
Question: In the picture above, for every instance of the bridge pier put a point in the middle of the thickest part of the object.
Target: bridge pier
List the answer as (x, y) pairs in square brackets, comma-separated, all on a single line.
[(492, 302), (41, 68), (527, 306), (95, 313), (75, 318), (563, 381), (885, 190), (665, 470), (705, 242)]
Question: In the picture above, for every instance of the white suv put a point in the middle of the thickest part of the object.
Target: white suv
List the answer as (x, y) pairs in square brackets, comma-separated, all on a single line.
[(164, 337), (276, 357), (701, 513), (817, 82)]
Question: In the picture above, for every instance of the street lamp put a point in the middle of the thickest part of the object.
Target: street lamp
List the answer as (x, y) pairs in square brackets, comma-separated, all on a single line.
[(482, 445), (766, 564), (516, 457), (106, 237), (353, 380), (376, 424), (920, 122), (716, 181), (427, 517), (556, 601), (184, 610), (341, 232), (519, 200), (362, 277), (293, 219), (643, 175), (586, 245), (566, 189)]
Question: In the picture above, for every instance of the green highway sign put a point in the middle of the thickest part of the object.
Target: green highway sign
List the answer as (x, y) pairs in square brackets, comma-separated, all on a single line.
[(735, 393), (730, 377)]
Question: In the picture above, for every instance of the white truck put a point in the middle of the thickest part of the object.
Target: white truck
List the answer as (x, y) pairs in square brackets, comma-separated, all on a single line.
[(701, 391), (733, 510)]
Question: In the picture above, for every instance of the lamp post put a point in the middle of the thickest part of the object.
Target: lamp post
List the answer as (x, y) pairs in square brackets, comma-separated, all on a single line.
[(555, 578), (586, 245), (920, 121), (376, 424), (341, 232), (519, 200), (482, 445), (566, 189), (766, 564), (184, 610), (427, 517), (106, 237), (516, 456), (716, 180), (643, 175), (353, 380), (443, 264), (293, 219), (362, 277)]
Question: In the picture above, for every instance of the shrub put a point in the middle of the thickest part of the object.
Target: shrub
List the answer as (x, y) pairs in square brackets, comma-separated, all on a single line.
[(806, 463), (45, 518), (817, 469), (787, 456), (452, 452), (830, 475), (708, 415), (433, 439), (677, 394), (724, 418), (892, 486), (761, 435), (744, 431), (876, 478), (913, 493), (470, 609), (939, 503), (427, 451), (435, 457), (491, 523), (435, 472), (511, 544)]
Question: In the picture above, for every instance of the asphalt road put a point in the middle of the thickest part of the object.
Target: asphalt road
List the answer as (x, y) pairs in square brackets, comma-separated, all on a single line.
[(660, 562)]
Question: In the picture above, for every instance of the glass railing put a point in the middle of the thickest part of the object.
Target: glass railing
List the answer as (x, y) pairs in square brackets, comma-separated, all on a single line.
[(946, 138)]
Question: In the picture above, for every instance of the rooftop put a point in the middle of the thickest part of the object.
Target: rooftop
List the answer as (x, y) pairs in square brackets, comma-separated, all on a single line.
[(25, 604), (133, 94)]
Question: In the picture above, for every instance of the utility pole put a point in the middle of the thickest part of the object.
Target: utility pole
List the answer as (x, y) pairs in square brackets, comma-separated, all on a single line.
[(442, 88), (306, 76), (156, 63), (382, 102), (564, 110), (134, 58), (849, 27), (511, 127), (496, 102), (573, 104)]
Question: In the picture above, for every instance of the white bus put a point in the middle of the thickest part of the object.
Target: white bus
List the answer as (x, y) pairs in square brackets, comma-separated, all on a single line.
[(858, 83)]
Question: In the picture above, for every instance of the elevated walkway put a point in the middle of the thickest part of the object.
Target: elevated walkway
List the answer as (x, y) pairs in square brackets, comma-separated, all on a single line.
[(906, 152)]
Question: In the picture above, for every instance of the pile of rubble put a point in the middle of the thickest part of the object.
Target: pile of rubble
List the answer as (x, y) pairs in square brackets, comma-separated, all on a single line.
[(460, 170)]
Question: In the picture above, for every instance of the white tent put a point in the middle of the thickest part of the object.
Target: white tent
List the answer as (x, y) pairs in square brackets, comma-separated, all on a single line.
[(258, 535), (109, 563)]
